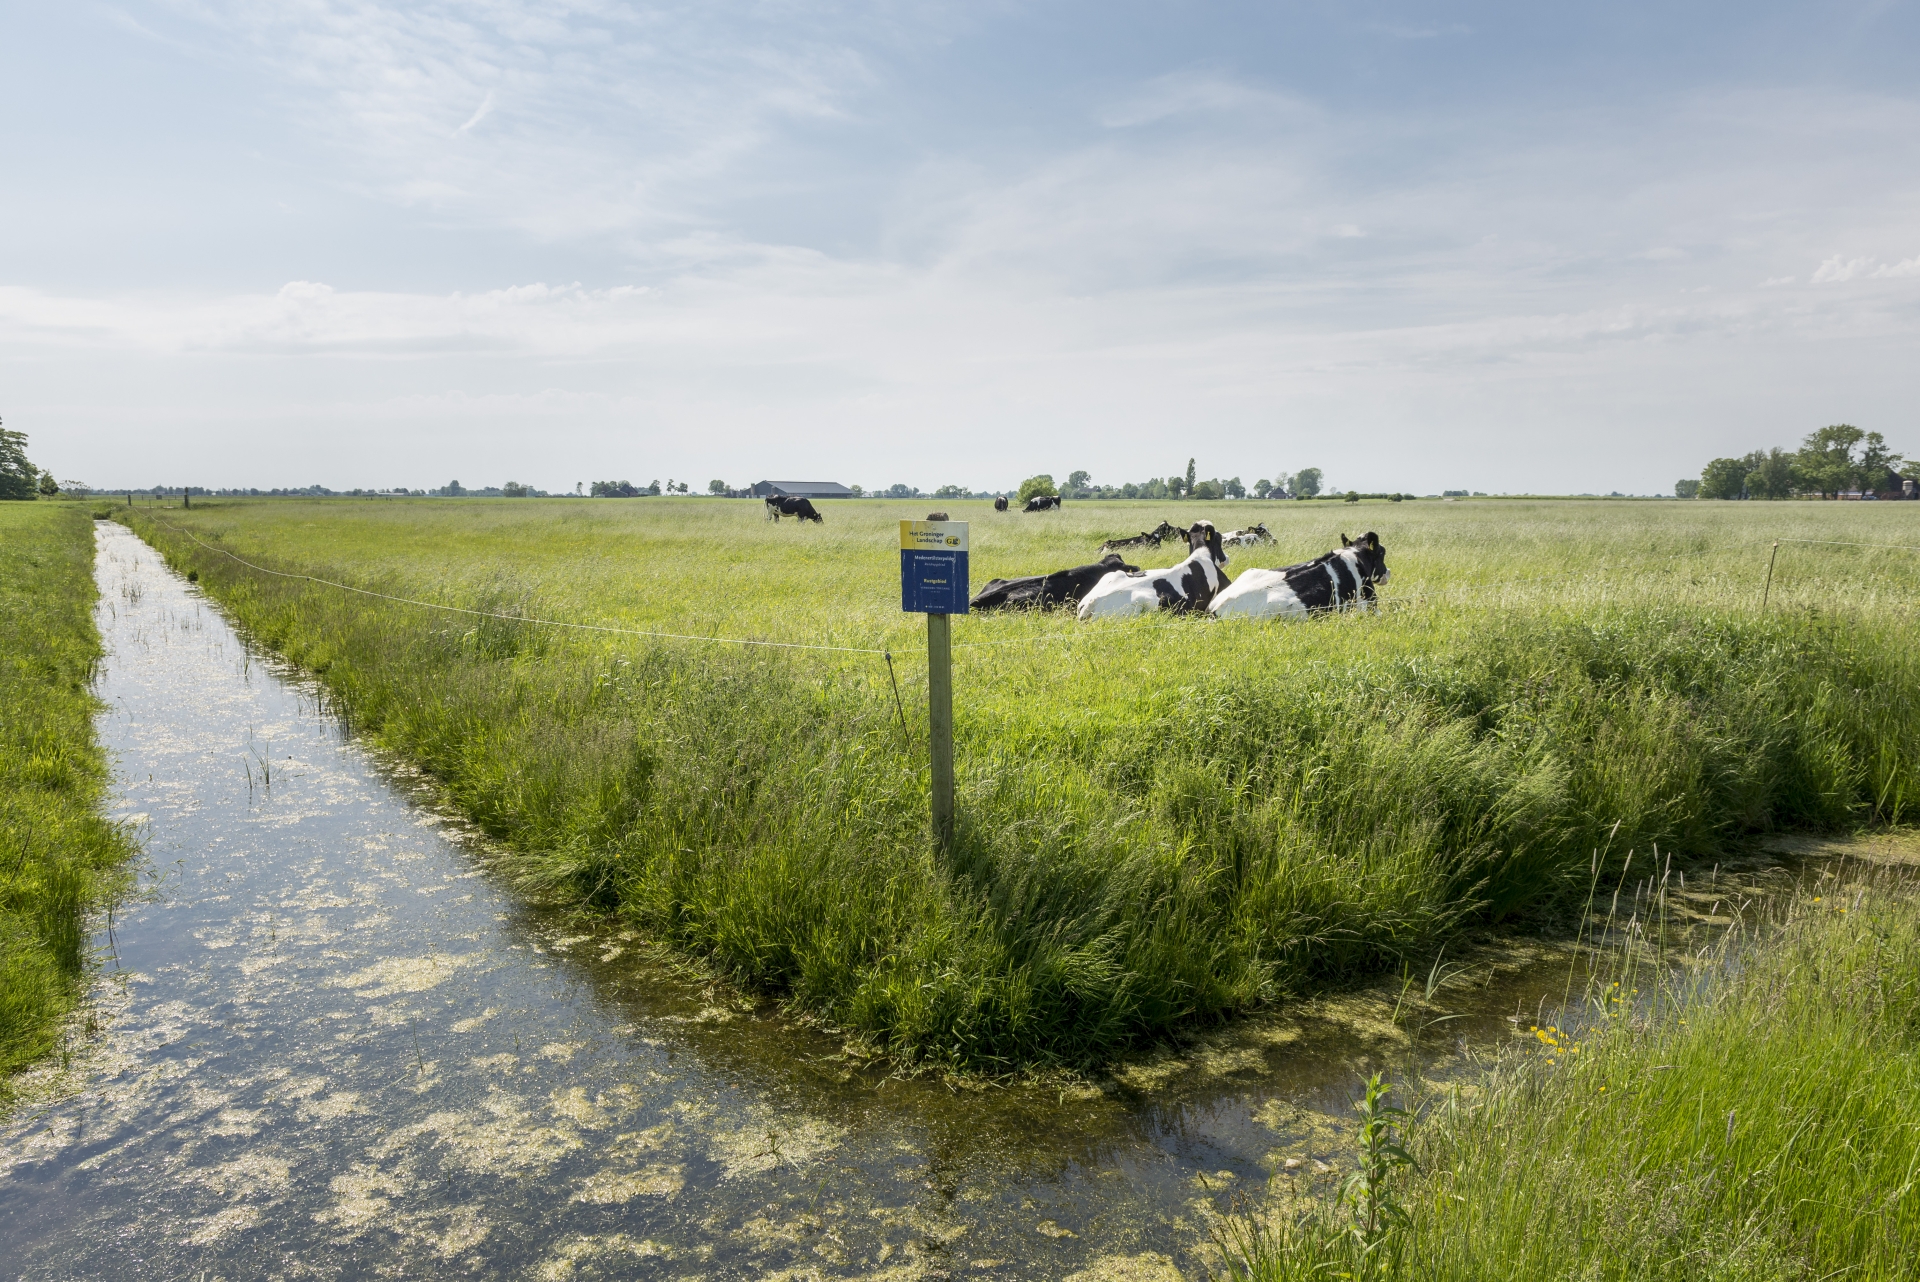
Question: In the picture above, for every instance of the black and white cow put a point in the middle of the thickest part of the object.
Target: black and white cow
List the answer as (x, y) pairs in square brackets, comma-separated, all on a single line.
[(1000, 503), (1338, 580), (1248, 537), (1145, 539), (1042, 503), (1044, 591), (779, 505), (1190, 585)]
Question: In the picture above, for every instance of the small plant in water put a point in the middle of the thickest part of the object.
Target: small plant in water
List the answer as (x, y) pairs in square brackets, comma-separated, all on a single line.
[(1367, 1190)]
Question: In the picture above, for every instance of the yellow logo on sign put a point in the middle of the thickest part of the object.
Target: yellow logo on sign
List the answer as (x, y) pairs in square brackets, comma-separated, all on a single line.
[(931, 535)]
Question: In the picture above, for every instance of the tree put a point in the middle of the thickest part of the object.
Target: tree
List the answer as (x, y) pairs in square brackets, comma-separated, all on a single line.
[(1281, 482), (1262, 488), (1724, 478), (857, 491), (1189, 485), (515, 490), (18, 478), (453, 489), (1353, 496), (1041, 485), (48, 487), (1306, 482), (717, 488), (1683, 489), (1209, 490), (654, 489), (1235, 490), (614, 490), (1079, 480), (952, 492), (1771, 474), (902, 492), (1875, 471), (1826, 461)]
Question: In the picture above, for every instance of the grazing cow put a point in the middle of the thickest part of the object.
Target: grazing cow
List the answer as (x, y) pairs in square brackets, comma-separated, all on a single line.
[(1248, 537), (1042, 503), (1145, 539), (1338, 580), (779, 505), (1000, 503), (1043, 591), (1190, 585)]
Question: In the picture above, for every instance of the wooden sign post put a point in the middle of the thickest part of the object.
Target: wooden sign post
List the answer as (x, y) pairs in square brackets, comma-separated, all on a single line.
[(933, 582)]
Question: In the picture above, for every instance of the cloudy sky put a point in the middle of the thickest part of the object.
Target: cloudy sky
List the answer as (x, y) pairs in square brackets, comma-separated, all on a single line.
[(1421, 246)]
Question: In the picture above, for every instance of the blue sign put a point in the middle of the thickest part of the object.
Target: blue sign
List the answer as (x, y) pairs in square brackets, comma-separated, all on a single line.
[(933, 567)]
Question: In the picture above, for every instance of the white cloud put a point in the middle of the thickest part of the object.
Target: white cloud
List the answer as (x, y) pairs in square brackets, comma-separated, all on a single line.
[(1837, 269), (1907, 267), (479, 113)]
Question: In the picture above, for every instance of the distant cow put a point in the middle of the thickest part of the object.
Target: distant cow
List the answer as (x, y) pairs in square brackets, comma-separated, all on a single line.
[(1145, 539), (1248, 537), (1190, 585), (1338, 580), (1042, 503), (1044, 591), (779, 505), (1000, 503), (936, 516)]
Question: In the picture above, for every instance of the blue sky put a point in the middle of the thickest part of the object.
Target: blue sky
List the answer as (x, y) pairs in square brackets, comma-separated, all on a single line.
[(1505, 247)]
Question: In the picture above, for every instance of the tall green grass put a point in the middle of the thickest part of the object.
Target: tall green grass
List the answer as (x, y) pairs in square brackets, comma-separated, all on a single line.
[(59, 857), (1159, 823), (1756, 1121)]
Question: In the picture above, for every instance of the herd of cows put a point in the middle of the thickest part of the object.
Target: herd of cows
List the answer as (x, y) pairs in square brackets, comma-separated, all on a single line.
[(1342, 579)]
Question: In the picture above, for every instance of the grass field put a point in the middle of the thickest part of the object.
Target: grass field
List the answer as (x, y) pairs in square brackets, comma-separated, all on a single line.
[(58, 857), (1161, 820), (1758, 1119)]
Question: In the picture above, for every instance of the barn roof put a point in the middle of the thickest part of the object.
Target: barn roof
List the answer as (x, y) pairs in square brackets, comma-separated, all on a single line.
[(804, 489)]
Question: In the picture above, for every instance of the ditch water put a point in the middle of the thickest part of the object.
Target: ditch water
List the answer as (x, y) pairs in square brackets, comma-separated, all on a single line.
[(328, 1042)]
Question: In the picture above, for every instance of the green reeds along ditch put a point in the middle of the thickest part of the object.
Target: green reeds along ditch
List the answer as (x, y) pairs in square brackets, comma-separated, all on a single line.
[(1160, 823), (59, 857), (1757, 1118)]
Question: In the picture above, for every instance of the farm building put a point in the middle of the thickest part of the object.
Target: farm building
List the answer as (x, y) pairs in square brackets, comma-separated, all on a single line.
[(801, 490)]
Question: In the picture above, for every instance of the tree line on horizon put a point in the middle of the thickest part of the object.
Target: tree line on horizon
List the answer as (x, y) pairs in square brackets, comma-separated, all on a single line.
[(1835, 460)]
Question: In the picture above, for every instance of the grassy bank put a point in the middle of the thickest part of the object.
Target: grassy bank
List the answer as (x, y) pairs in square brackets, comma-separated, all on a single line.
[(58, 857), (1757, 1121), (1159, 823)]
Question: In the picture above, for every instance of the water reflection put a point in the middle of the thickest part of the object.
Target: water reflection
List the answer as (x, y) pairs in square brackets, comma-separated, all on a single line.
[(335, 1046)]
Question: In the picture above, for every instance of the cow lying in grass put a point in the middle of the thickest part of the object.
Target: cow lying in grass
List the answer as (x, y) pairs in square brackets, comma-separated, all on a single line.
[(1338, 580), (1042, 503), (779, 505), (1043, 591), (1190, 585), (1248, 537), (1145, 539)]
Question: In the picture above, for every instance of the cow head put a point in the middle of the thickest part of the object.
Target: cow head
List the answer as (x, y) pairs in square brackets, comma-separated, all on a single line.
[(1370, 557), (1201, 534)]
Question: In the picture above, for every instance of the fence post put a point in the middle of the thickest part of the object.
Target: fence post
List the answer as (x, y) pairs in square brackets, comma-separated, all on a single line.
[(1768, 590), (940, 724)]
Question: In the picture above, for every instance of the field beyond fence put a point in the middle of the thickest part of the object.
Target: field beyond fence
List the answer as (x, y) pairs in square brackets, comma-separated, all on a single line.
[(1161, 821)]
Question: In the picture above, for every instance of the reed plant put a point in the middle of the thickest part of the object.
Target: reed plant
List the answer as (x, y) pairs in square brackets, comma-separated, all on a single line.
[(1752, 1117), (60, 858), (1161, 821)]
